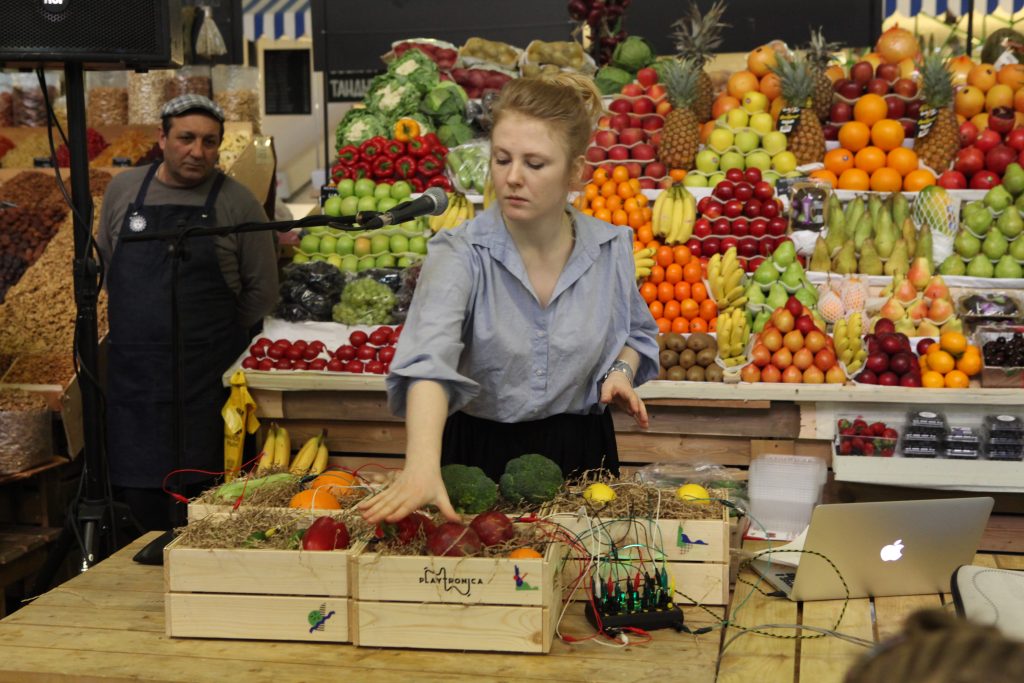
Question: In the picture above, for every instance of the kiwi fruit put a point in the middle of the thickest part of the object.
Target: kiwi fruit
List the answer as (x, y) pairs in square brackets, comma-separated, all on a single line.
[(662, 341), (676, 342), (676, 374), (713, 373), (687, 359), (698, 341), (668, 358), (662, 374), (695, 374), (706, 357)]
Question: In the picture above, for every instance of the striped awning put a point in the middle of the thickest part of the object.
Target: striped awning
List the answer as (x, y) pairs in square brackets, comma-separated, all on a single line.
[(909, 8), (277, 19)]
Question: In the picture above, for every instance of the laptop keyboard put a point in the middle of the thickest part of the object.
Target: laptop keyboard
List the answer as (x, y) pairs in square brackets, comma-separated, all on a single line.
[(787, 579)]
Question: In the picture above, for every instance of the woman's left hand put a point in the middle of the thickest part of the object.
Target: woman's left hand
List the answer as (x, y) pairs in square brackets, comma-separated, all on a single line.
[(618, 389)]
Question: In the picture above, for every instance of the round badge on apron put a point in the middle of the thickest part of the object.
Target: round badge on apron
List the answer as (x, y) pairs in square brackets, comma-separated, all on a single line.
[(136, 222)]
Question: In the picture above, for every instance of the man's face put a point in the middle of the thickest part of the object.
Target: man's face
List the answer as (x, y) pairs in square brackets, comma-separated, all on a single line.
[(190, 149)]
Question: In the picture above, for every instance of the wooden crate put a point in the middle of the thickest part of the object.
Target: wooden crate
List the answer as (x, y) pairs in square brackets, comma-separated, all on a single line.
[(453, 603), (705, 583), (258, 594)]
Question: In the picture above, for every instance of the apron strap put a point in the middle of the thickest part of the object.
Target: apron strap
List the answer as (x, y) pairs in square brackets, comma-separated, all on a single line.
[(141, 197), (211, 198)]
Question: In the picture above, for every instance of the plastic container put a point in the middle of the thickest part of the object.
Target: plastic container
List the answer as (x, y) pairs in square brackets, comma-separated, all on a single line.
[(926, 422), (236, 89), (6, 101), (921, 449), (1006, 452), (783, 492), (964, 443), (1004, 426), (106, 100), (189, 80), (28, 104), (146, 96)]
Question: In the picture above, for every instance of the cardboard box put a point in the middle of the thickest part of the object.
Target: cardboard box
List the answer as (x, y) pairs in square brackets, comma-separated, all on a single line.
[(996, 377)]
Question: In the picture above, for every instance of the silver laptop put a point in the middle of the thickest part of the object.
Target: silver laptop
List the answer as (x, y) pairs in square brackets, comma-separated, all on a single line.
[(888, 548)]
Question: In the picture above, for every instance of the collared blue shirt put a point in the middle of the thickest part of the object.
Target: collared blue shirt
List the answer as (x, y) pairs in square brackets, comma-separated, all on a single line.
[(476, 326)]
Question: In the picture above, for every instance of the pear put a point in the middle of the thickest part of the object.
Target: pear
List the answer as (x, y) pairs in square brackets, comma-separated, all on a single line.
[(1017, 249), (1019, 204), (820, 260), (792, 277), (754, 294), (863, 231), (854, 210), (845, 261), (759, 322), (953, 265), (1013, 179), (1010, 223), (940, 310), (807, 297), (980, 266), (918, 311), (973, 206), (927, 329), (870, 263), (785, 255), (920, 272), (910, 235), (834, 206), (900, 209), (936, 288), (924, 245), (978, 221), (893, 310), (766, 273), (906, 326), (1008, 268), (967, 245), (777, 296), (834, 239), (885, 236), (952, 325), (874, 208), (899, 259), (905, 292), (995, 245), (997, 198)]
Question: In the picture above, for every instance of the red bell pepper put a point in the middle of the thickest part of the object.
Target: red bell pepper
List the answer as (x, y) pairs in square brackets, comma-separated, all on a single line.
[(440, 181), (405, 167), (439, 153), (418, 147), (362, 169), (394, 149), (429, 166), (348, 154), (433, 140), (383, 167), (417, 184), (372, 148)]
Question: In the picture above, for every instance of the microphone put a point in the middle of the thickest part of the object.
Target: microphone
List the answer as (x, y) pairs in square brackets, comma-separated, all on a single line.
[(433, 202)]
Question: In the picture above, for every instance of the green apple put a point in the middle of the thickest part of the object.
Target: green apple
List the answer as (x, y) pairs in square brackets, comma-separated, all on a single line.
[(361, 247), (784, 162), (418, 245), (747, 141), (364, 187), (317, 257), (346, 188), (332, 207), (380, 244), (334, 260), (404, 262), (694, 180), (720, 139), (382, 190), (385, 261), (770, 177), (349, 263), (737, 118), (754, 101), (386, 204), (715, 179), (366, 203), (309, 244), (400, 190), (761, 122), (345, 245), (327, 244), (299, 257), (707, 161), (732, 160), (366, 263), (759, 159), (349, 205), (317, 230), (399, 244), (774, 142)]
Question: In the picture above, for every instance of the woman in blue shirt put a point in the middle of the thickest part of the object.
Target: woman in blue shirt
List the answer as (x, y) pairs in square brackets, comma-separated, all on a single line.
[(526, 320)]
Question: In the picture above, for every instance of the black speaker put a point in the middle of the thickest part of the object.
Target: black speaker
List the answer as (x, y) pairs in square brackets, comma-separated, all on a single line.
[(127, 32)]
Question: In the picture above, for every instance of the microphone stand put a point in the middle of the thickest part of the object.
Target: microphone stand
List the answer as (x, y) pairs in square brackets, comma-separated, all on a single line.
[(177, 248)]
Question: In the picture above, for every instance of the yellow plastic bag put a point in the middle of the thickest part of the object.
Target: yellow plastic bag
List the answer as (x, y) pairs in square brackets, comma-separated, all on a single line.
[(239, 415)]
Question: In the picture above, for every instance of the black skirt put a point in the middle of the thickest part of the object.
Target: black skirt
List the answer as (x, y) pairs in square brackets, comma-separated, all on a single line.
[(575, 442)]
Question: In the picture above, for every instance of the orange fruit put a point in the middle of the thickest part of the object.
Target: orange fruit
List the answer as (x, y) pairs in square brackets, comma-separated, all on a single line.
[(708, 310), (664, 325), (956, 379), (315, 499), (705, 131), (968, 101), (673, 273), (666, 292), (338, 482), (970, 364), (1011, 75), (692, 272), (671, 310), (854, 179), (870, 108), (649, 291), (630, 205), (886, 179), (636, 218), (771, 86), (680, 325), (664, 256), (682, 254), (854, 135), (626, 190), (613, 203), (982, 77), (610, 187), (932, 380), (698, 291), (887, 134), (522, 553), (741, 83), (590, 191), (940, 361), (835, 72), (603, 215), (761, 59), (838, 160), (916, 180), (620, 174), (954, 342), (902, 159), (600, 176), (689, 309), (641, 200), (722, 104), (825, 176), (698, 325), (645, 234), (619, 217), (656, 308), (998, 95), (657, 275), (597, 203), (869, 159), (682, 290)]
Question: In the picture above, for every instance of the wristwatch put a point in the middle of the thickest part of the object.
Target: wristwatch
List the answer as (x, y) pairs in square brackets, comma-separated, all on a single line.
[(620, 366)]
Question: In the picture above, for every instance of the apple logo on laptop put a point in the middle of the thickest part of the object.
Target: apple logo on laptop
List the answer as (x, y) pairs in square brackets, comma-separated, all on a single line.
[(893, 551)]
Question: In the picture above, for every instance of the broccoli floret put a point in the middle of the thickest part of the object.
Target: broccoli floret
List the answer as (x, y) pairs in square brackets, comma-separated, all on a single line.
[(532, 478), (469, 489)]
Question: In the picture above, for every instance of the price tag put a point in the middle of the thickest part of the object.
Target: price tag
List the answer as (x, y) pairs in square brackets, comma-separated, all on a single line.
[(788, 118), (42, 162), (327, 191), (925, 120), (121, 162)]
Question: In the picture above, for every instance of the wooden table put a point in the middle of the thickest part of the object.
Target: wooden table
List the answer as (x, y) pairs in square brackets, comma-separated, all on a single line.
[(108, 624)]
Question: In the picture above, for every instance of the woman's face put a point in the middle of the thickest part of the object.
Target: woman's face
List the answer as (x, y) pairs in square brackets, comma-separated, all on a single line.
[(530, 168)]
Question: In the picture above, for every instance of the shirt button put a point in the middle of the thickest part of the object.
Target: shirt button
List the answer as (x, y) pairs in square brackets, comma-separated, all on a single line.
[(541, 333), (539, 373)]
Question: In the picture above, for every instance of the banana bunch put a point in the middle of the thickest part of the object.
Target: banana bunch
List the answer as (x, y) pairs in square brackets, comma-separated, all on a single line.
[(725, 275), (733, 335), (673, 215), (277, 450), (643, 259), (312, 457), (459, 211), (849, 347), (489, 194)]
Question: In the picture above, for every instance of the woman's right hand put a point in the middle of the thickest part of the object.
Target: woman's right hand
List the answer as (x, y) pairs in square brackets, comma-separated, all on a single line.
[(412, 489)]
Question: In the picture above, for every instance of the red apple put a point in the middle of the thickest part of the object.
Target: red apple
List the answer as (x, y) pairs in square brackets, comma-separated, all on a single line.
[(984, 180), (764, 191), (644, 152), (636, 121), (653, 122), (643, 106), (724, 189), (714, 210), (878, 86), (968, 133), (733, 208), (758, 227), (999, 157), (655, 169), (606, 138), (631, 136), (619, 122), (988, 139), (909, 128), (740, 227), (744, 191), (952, 180), (704, 203), (861, 73), (905, 87), (1015, 139), (734, 175), (771, 209), (695, 247), (752, 175), (596, 155), (1001, 120), (618, 153), (721, 227), (747, 247), (777, 226), (632, 90), (701, 228), (620, 106), (647, 77), (752, 209), (840, 112), (895, 107), (913, 110), (728, 243), (969, 161), (830, 131), (711, 246), (887, 72)]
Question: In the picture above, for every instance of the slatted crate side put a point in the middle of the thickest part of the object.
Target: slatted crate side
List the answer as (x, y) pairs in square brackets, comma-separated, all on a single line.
[(257, 571), (689, 540), (257, 617), (457, 580), (707, 583)]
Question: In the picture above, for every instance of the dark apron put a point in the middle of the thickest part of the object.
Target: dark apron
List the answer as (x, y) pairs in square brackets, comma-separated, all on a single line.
[(140, 378)]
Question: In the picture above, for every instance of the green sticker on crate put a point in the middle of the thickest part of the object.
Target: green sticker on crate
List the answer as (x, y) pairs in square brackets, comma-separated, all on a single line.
[(684, 541)]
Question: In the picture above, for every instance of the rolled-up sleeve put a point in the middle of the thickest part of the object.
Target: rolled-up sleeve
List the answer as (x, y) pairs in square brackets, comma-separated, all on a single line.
[(432, 338), (643, 331)]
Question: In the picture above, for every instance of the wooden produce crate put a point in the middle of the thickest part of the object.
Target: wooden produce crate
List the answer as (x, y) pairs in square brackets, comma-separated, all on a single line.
[(694, 551), (258, 594), (457, 603)]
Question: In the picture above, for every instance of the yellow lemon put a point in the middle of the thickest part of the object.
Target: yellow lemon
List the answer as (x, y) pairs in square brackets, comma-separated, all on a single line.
[(693, 493), (599, 493)]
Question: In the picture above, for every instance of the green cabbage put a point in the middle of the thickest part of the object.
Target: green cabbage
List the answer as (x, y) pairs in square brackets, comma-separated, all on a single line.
[(364, 302), (446, 99), (454, 132), (359, 125), (610, 79), (416, 68), (632, 54)]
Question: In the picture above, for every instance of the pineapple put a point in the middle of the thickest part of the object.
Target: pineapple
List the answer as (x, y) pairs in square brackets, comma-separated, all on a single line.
[(806, 140), (940, 145), (819, 55), (696, 38), (681, 134)]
